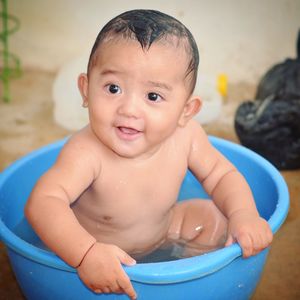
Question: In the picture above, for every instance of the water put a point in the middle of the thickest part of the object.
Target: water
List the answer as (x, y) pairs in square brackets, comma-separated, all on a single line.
[(171, 252), (175, 251), (24, 231)]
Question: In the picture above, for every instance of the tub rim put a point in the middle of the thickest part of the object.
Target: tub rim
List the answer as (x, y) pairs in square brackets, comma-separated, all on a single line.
[(162, 272)]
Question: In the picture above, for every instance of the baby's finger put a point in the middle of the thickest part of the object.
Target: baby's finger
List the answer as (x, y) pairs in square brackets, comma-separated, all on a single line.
[(97, 291), (267, 234), (106, 290), (230, 241), (125, 259), (126, 286), (269, 237), (246, 243), (263, 241), (115, 288)]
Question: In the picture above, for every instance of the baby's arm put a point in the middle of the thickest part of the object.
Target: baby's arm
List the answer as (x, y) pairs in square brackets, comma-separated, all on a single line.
[(230, 192), (48, 208), (48, 211)]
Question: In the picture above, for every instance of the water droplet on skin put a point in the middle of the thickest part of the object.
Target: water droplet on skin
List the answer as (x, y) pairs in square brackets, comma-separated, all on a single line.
[(199, 228)]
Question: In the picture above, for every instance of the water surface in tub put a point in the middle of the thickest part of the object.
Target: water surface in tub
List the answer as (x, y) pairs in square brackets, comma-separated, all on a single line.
[(171, 252), (24, 231)]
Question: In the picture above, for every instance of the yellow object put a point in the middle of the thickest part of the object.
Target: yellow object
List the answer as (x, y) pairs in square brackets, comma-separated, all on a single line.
[(222, 85)]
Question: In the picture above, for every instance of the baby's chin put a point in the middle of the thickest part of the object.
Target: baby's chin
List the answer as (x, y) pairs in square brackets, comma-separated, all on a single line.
[(134, 152)]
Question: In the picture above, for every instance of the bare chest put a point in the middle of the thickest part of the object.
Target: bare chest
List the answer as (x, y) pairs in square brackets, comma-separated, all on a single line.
[(145, 185), (142, 192)]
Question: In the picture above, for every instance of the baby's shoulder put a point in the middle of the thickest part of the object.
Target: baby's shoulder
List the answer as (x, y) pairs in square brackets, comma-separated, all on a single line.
[(193, 136), (82, 140), (193, 130), (82, 146)]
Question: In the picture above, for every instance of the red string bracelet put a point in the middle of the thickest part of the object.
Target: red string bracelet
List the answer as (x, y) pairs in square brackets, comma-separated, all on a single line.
[(85, 254)]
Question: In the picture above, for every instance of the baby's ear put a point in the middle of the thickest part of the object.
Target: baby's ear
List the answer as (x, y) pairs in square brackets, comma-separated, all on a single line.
[(83, 88), (191, 108)]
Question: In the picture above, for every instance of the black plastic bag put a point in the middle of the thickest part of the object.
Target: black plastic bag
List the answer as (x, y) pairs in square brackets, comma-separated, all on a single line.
[(270, 125)]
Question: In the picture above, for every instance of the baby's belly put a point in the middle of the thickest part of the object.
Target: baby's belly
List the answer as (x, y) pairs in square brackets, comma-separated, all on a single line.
[(136, 237), (138, 241)]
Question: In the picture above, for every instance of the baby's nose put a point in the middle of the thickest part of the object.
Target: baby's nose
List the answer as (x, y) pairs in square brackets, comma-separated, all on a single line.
[(130, 107)]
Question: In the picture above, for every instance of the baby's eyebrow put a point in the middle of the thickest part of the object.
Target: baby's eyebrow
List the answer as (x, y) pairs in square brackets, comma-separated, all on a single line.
[(160, 85), (110, 72)]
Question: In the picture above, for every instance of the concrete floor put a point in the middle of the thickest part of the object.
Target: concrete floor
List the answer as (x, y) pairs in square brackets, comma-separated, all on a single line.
[(27, 124)]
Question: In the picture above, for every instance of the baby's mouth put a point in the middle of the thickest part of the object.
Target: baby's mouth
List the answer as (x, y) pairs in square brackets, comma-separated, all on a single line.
[(128, 133), (128, 130)]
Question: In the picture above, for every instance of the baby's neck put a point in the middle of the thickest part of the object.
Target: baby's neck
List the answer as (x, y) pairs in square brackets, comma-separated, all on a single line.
[(142, 157)]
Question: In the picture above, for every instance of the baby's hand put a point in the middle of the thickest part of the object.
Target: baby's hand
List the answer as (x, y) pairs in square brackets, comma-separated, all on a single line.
[(102, 272), (252, 232)]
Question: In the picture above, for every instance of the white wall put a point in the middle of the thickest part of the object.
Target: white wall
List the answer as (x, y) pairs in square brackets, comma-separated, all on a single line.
[(239, 37)]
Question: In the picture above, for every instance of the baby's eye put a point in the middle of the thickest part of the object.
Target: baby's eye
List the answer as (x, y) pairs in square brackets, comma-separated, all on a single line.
[(114, 89), (154, 97)]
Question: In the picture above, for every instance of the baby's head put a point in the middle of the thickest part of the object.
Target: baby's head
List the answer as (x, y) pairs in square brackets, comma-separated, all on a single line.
[(148, 27), (141, 77)]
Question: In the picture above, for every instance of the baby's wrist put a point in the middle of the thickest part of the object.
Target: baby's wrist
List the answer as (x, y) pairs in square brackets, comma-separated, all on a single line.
[(253, 212), (86, 253)]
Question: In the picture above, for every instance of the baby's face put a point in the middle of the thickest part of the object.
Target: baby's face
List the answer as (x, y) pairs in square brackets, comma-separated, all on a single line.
[(136, 97)]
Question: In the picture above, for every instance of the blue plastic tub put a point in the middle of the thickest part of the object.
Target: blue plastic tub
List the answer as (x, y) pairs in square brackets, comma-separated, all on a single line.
[(222, 274)]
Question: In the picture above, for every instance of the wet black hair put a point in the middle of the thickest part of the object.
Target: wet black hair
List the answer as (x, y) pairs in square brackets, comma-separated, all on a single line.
[(148, 26)]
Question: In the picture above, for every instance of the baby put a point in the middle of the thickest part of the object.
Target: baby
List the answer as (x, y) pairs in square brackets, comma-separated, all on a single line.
[(111, 195)]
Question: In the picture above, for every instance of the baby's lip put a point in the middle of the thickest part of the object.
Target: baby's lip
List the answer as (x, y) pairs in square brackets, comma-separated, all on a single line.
[(128, 133), (128, 130)]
